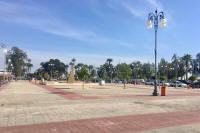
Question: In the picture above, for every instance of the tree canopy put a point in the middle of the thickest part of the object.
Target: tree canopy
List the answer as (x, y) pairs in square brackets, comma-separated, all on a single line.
[(178, 67), (83, 73), (18, 62), (54, 67)]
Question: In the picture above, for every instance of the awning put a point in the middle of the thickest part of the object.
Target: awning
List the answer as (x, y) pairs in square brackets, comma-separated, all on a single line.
[(6, 75)]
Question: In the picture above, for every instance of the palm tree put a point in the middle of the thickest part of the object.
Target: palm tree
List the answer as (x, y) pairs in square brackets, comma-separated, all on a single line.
[(181, 68), (109, 67), (101, 71), (66, 69), (187, 58), (194, 64), (72, 63), (175, 61), (136, 68), (29, 65), (73, 60), (163, 67), (80, 65), (109, 60), (90, 67)]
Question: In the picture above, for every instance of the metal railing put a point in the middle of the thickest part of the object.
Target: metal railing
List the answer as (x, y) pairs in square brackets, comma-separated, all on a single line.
[(3, 82)]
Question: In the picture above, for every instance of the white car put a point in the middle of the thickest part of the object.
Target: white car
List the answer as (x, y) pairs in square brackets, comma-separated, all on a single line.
[(179, 84), (164, 83)]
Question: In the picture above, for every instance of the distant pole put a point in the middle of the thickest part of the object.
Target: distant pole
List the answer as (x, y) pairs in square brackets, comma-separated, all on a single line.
[(3, 46), (176, 75), (51, 70)]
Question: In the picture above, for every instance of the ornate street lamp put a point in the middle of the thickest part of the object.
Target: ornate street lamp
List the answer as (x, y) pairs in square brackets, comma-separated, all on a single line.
[(51, 69), (155, 18)]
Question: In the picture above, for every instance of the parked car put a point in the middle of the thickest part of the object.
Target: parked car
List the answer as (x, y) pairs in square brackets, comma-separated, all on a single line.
[(149, 82), (187, 82), (135, 82), (178, 83), (164, 83), (95, 80), (195, 85), (108, 81), (118, 81), (173, 84)]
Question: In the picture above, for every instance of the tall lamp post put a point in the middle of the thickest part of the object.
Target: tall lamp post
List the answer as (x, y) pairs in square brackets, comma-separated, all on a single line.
[(51, 69), (156, 18)]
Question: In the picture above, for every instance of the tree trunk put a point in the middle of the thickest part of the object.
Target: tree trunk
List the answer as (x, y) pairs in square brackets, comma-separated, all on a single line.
[(186, 74), (124, 84), (83, 84)]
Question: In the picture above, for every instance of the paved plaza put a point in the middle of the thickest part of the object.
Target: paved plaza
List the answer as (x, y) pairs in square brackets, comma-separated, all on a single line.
[(68, 108)]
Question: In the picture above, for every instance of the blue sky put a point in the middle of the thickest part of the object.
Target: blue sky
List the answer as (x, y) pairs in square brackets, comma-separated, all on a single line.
[(94, 30)]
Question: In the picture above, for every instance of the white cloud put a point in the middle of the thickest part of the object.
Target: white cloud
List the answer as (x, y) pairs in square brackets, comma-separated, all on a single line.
[(134, 11), (155, 4), (138, 8), (41, 18)]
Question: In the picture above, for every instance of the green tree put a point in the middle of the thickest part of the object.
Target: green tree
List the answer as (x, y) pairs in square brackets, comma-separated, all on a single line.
[(54, 67), (193, 78), (83, 74), (72, 63), (90, 67), (181, 68), (163, 67), (136, 68), (46, 76), (79, 66), (101, 71), (187, 58), (163, 78), (175, 62), (109, 68), (39, 73), (56, 74), (147, 71), (18, 59), (66, 70), (124, 72), (93, 73), (198, 61), (28, 66), (194, 64)]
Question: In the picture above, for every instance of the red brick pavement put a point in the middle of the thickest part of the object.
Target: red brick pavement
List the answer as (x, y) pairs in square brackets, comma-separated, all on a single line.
[(75, 96), (119, 124), (65, 94)]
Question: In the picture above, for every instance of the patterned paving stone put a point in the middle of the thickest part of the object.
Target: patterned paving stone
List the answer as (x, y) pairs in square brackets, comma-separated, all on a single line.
[(120, 124), (75, 96), (30, 108)]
